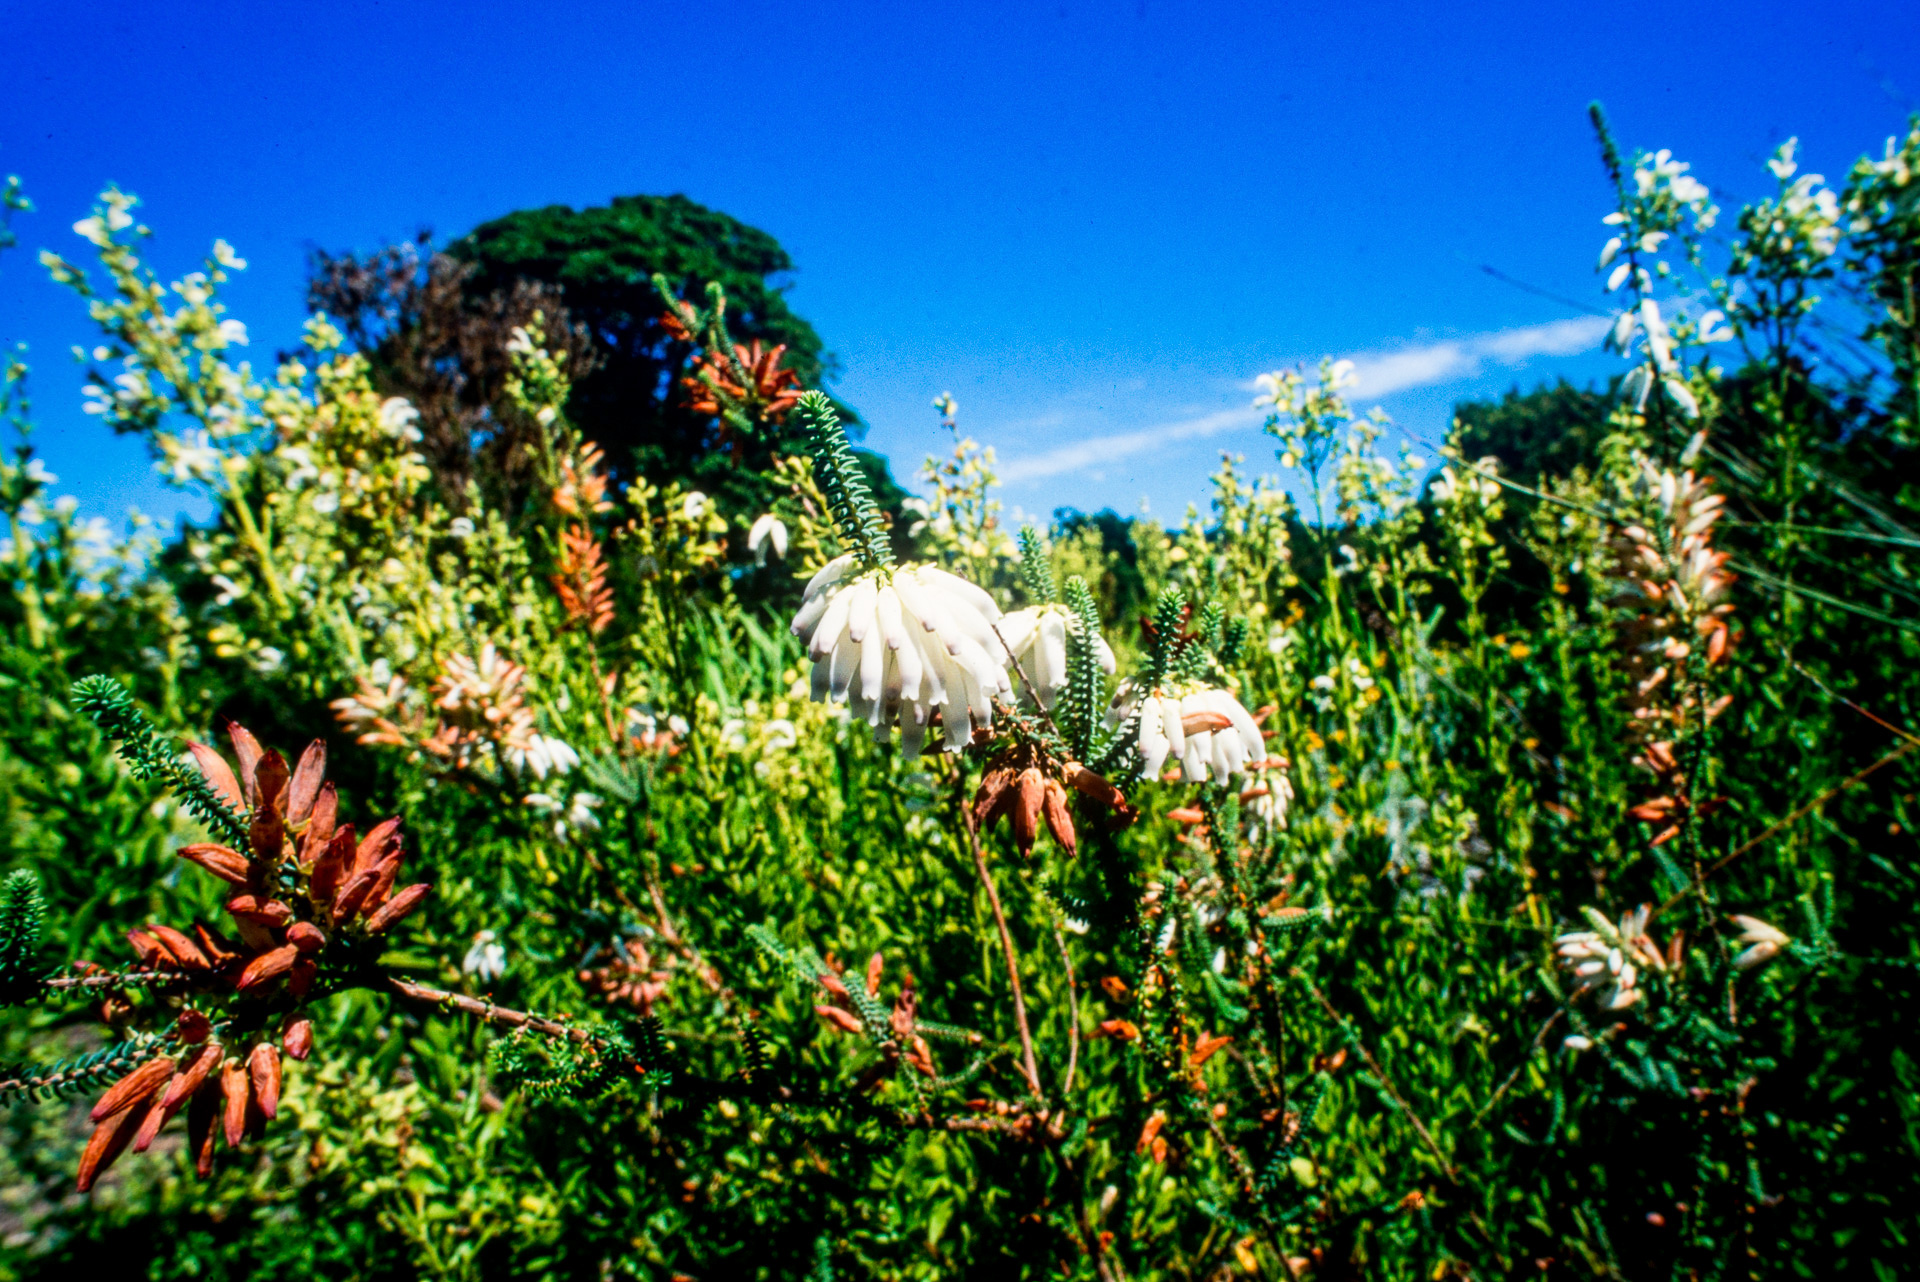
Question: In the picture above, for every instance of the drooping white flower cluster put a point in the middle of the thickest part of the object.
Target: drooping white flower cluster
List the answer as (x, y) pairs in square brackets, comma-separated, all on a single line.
[(902, 643), (1763, 942), (1037, 638), (567, 817), (1471, 485), (1204, 729), (1266, 802), (769, 534), (1609, 959)]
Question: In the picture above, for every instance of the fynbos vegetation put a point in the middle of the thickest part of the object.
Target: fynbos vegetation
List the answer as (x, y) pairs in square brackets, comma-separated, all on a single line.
[(464, 857)]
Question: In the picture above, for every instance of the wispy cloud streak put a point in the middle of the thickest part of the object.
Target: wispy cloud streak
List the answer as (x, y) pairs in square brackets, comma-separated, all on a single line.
[(1377, 374), (1081, 455), (1384, 373)]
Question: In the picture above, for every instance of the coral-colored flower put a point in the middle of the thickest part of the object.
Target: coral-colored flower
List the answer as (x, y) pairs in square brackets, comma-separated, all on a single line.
[(303, 882)]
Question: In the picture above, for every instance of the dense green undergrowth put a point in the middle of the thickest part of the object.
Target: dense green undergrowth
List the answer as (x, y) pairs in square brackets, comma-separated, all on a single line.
[(1649, 645)]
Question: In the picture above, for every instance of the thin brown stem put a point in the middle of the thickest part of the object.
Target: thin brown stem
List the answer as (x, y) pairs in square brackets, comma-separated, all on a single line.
[(1519, 1068), (1073, 1014), (1031, 1065), (1882, 722), (1793, 818), (1107, 1267), (116, 979), (1026, 680), (673, 939), (1380, 1075), (489, 1012), (1248, 1180)]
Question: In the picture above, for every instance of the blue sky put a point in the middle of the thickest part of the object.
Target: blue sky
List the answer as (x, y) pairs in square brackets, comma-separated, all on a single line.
[(1093, 223)]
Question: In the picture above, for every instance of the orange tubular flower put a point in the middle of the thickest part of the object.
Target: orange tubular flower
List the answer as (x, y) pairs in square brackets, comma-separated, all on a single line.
[(715, 387), (581, 580), (303, 884), (1677, 585)]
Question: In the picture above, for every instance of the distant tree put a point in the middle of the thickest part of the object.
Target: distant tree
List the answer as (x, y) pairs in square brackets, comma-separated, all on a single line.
[(602, 261), (1548, 431), (437, 339), (435, 326)]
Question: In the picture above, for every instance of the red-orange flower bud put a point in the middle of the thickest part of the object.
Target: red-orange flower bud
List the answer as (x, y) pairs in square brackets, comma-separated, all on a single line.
[(267, 966), (297, 1038), (263, 1070)]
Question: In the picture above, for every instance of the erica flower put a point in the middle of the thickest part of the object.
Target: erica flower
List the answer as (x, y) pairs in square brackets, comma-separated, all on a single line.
[(769, 532), (1266, 802), (1609, 959), (542, 754), (487, 959), (1037, 638), (300, 883), (629, 978), (1205, 730), (902, 643), (567, 817), (1763, 942)]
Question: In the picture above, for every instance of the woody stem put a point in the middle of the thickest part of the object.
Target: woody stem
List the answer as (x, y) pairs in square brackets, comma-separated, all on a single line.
[(489, 1012), (1031, 1065)]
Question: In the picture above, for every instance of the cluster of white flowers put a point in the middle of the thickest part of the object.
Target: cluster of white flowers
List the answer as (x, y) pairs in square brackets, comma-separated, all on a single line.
[(1646, 322), (1356, 671), (1204, 729), (188, 457), (539, 753), (1267, 801), (778, 734), (399, 419), (568, 816), (1609, 959), (901, 644), (1475, 485), (1763, 942), (1670, 174), (487, 959), (1037, 639)]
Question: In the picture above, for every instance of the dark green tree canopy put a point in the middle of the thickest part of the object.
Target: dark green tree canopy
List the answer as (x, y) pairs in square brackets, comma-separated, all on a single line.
[(602, 259)]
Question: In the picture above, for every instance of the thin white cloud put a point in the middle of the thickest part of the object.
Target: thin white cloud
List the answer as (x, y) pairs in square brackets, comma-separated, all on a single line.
[(1106, 449), (1377, 374), (1384, 373)]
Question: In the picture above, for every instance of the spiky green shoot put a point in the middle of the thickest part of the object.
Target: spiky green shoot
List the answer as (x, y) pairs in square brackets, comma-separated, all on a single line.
[(1082, 704), (1196, 660), (1036, 568), (107, 703), (1233, 641), (560, 1068), (842, 482), (23, 915), (1169, 617)]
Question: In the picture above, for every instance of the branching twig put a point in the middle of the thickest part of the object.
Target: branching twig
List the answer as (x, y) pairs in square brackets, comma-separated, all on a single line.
[(489, 1012), (1380, 1075)]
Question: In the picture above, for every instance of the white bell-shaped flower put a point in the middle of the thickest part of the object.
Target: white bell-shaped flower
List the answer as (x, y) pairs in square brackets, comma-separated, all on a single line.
[(769, 532), (1205, 729), (1266, 802), (901, 643), (1037, 638)]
